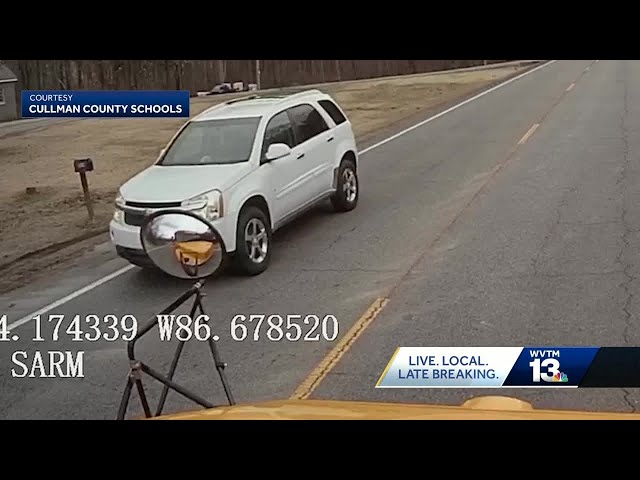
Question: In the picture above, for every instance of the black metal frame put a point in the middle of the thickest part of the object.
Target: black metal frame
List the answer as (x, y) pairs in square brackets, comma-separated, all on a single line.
[(137, 367)]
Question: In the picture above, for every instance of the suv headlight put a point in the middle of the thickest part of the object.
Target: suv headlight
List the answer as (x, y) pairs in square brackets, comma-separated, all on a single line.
[(119, 200), (209, 204), (118, 214)]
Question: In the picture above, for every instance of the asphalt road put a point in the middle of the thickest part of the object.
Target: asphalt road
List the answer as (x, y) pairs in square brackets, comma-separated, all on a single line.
[(479, 229)]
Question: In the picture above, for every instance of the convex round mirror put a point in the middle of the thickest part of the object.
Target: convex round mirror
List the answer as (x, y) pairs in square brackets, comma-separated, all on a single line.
[(182, 244)]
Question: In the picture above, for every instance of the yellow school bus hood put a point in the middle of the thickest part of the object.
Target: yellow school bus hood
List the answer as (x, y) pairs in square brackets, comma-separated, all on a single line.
[(198, 252), (480, 408)]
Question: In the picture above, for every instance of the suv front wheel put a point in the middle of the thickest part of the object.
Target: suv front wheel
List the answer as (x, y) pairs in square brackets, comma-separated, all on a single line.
[(253, 242)]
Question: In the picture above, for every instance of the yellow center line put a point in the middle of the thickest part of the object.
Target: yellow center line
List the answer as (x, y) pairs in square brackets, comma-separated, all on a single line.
[(570, 87), (529, 133), (307, 387)]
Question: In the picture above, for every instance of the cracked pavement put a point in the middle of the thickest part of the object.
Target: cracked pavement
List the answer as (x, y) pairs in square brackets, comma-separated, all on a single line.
[(476, 240)]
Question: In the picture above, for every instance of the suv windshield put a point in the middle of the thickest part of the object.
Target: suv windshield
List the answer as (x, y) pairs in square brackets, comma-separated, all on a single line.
[(213, 142)]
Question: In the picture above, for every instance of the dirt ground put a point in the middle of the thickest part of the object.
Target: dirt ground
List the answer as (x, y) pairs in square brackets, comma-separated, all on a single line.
[(53, 217)]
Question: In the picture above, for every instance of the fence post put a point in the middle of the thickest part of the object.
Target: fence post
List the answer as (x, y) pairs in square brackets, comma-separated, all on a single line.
[(258, 74)]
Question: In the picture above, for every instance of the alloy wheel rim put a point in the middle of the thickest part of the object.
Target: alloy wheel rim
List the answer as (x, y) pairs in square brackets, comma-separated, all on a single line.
[(255, 236), (349, 185)]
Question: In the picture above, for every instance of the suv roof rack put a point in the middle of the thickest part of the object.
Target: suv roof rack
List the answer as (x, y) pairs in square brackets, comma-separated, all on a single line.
[(281, 96), (303, 93), (242, 99)]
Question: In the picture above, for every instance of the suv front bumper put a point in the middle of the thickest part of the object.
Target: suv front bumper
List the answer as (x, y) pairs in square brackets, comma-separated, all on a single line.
[(126, 239), (135, 256)]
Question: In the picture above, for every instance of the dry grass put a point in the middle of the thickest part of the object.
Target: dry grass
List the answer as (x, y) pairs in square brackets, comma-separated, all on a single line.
[(120, 148)]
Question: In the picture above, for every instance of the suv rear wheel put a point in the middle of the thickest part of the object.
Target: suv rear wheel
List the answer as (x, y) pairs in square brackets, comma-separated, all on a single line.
[(253, 242), (346, 196)]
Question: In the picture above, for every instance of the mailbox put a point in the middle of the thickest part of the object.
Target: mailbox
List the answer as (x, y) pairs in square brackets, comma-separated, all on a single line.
[(83, 165)]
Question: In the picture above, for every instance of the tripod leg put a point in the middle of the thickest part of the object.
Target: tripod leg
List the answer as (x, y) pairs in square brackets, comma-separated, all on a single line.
[(143, 397), (181, 390), (220, 365), (124, 403), (172, 371), (174, 364)]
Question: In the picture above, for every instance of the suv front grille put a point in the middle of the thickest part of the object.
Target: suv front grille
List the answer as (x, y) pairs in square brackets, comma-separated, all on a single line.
[(153, 205), (136, 219), (133, 219)]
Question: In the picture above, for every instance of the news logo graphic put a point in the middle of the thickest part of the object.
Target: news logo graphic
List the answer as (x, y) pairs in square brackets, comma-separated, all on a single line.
[(512, 367), (105, 103), (551, 367)]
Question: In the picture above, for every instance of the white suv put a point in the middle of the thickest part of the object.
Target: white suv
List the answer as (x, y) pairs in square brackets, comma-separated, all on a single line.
[(249, 166)]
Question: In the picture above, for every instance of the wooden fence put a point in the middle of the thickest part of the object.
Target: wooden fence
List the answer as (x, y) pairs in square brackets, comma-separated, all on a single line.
[(198, 75)]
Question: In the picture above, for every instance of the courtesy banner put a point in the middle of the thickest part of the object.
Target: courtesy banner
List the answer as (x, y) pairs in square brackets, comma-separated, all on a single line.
[(105, 103), (512, 367)]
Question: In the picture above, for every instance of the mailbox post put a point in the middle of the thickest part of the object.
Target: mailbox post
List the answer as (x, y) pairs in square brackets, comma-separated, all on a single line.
[(82, 166)]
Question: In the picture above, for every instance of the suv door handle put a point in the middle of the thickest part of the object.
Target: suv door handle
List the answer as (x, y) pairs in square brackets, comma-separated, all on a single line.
[(329, 139), (300, 156)]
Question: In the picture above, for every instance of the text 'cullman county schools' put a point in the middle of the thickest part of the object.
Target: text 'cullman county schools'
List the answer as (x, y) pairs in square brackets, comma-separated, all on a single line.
[(105, 109)]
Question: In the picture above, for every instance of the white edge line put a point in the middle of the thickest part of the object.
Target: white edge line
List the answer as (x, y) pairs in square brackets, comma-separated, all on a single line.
[(117, 273), (69, 297), (458, 105)]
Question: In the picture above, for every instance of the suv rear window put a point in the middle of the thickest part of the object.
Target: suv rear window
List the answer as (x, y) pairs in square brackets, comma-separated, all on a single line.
[(308, 122), (333, 111)]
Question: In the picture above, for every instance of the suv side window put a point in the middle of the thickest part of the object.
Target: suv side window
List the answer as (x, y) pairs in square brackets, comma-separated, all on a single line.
[(279, 130), (333, 111), (308, 122)]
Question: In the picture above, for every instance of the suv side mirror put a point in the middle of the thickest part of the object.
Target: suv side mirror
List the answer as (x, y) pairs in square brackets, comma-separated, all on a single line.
[(277, 150)]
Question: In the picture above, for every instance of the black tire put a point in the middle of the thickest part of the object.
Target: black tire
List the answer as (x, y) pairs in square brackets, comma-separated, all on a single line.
[(244, 262), (344, 200)]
